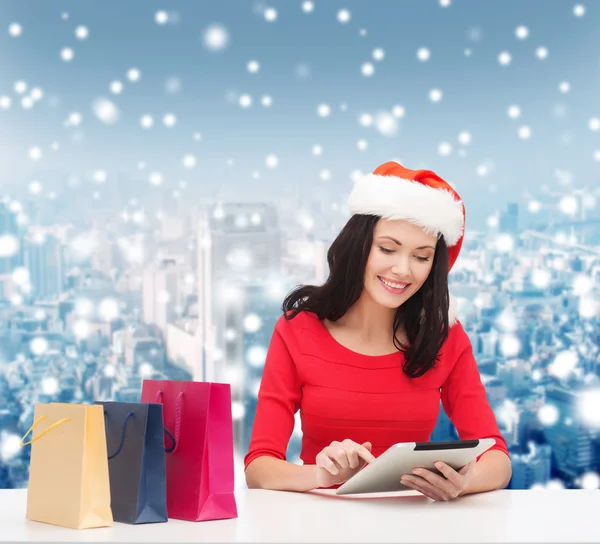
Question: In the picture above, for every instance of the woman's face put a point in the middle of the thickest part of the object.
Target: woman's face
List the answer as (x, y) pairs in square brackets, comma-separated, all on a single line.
[(399, 263)]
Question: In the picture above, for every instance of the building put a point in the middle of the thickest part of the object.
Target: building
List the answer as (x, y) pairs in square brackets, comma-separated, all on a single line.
[(45, 261), (173, 227), (321, 264), (571, 442), (106, 256), (11, 255), (515, 374), (161, 293), (184, 346), (531, 468), (509, 220), (239, 299), (141, 346), (238, 244)]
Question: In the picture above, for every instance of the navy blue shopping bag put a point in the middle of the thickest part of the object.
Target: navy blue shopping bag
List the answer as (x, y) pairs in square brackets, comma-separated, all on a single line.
[(136, 461)]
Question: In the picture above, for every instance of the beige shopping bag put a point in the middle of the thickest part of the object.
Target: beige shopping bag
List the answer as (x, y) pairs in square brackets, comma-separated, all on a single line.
[(68, 474)]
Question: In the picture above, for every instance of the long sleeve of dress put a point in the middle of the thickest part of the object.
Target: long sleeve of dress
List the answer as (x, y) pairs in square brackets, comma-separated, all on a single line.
[(464, 397), (278, 398)]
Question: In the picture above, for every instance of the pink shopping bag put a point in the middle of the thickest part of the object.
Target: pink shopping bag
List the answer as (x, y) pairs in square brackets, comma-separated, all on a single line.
[(200, 472)]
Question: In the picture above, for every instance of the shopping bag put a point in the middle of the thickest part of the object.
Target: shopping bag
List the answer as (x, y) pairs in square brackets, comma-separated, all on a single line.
[(136, 461), (200, 473), (68, 472)]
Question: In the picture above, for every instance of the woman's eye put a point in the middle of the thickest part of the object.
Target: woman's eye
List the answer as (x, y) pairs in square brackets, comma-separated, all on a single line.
[(423, 259), (386, 250)]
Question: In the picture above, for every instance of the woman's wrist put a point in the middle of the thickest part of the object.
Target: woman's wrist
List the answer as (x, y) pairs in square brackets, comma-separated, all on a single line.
[(276, 474), (314, 477)]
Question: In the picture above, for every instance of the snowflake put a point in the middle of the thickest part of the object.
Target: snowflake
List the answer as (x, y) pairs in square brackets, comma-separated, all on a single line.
[(67, 54), (343, 16)]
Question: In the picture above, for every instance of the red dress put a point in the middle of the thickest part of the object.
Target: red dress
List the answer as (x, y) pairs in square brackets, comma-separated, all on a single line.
[(342, 394)]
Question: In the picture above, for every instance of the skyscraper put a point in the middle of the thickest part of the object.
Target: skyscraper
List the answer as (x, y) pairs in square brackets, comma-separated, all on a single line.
[(532, 467), (239, 255), (45, 261), (509, 220), (571, 442), (249, 315), (238, 243), (161, 293), (11, 252)]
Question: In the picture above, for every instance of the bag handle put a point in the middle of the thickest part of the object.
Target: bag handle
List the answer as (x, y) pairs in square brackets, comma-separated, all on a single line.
[(35, 424), (122, 442), (129, 416), (159, 395), (174, 442)]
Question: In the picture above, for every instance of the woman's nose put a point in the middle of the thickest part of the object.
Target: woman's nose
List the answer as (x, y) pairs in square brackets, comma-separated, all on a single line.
[(401, 267)]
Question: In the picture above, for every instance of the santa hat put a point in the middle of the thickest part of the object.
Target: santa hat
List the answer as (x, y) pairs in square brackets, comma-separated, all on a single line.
[(419, 196)]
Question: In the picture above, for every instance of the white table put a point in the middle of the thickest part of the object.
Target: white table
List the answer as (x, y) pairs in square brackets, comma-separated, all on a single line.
[(271, 516)]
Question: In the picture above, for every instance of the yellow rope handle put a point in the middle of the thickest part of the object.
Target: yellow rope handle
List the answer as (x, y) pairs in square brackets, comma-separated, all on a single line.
[(35, 423)]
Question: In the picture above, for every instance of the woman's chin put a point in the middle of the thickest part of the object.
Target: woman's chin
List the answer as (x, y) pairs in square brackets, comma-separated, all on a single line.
[(390, 301)]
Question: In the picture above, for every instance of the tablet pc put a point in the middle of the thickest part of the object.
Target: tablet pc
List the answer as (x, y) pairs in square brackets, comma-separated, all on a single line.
[(383, 474)]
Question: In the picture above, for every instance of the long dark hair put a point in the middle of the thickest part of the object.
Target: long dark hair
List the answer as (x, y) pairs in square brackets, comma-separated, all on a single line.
[(424, 315)]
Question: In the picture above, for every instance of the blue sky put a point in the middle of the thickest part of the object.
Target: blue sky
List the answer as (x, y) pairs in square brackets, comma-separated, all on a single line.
[(477, 92)]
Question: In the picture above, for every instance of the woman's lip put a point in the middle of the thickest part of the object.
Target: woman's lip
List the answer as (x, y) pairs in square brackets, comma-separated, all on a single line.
[(406, 284), (393, 290)]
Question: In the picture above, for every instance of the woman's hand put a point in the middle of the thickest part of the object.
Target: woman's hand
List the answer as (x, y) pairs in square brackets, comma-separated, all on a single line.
[(340, 461), (437, 487)]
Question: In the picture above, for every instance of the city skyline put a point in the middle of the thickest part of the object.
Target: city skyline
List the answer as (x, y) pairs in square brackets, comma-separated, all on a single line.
[(156, 233), (206, 311)]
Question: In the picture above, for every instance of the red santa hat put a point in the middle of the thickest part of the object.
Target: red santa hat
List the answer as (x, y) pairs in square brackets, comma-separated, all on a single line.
[(419, 196)]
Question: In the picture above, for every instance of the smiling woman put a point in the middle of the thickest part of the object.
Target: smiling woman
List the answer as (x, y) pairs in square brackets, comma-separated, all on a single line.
[(367, 356), (398, 268)]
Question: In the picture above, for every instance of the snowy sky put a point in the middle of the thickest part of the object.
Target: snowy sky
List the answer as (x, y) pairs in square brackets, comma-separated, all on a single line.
[(372, 64)]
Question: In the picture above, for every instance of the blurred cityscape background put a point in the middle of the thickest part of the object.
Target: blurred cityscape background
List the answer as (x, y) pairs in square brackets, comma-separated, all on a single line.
[(151, 227)]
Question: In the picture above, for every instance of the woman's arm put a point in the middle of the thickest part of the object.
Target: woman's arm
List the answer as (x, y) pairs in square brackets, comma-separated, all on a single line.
[(492, 471), (279, 398), (465, 401), (270, 473)]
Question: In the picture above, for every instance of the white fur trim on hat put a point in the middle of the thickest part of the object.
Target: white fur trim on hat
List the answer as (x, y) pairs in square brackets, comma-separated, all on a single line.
[(391, 197)]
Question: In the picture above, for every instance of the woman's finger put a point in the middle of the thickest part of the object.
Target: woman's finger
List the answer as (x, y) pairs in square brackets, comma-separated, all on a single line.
[(352, 455), (325, 462), (413, 483), (445, 486), (339, 456), (451, 475), (365, 454)]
